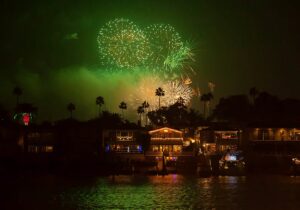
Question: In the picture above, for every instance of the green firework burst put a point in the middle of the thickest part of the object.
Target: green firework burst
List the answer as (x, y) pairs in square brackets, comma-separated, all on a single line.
[(122, 44), (168, 52)]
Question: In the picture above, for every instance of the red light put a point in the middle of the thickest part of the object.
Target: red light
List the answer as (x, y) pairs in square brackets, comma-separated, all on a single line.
[(26, 118)]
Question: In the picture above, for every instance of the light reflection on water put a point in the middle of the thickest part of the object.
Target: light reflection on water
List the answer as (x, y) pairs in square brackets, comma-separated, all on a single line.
[(154, 192)]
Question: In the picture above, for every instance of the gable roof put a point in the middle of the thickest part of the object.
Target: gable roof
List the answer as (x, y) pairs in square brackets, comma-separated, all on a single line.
[(165, 128)]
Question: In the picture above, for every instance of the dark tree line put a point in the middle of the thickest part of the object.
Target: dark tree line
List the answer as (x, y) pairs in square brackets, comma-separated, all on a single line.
[(257, 107), (176, 115)]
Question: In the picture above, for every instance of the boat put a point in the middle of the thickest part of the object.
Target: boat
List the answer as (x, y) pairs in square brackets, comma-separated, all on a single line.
[(295, 166), (232, 164)]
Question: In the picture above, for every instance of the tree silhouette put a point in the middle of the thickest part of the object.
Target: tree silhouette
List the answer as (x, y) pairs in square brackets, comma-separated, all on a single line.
[(146, 106), (123, 106), (234, 108), (180, 104), (159, 92), (206, 98), (71, 107), (210, 97), (158, 117), (140, 110), (253, 92), (99, 102), (267, 107), (176, 115), (18, 92)]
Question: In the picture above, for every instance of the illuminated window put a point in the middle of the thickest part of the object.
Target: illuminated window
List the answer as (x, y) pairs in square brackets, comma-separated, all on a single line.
[(49, 149), (155, 148), (32, 148), (177, 148)]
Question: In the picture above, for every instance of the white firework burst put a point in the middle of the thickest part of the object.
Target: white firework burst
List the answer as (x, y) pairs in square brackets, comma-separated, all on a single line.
[(173, 90)]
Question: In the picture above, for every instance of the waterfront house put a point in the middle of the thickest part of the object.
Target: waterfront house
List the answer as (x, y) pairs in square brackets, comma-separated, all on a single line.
[(124, 144), (40, 141), (168, 147), (167, 141), (220, 139), (122, 141), (273, 138)]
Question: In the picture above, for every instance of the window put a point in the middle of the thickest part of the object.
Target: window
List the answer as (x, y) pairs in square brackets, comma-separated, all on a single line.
[(49, 149)]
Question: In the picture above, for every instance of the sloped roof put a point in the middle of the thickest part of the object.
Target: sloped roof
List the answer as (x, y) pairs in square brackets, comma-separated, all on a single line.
[(165, 128), (166, 142)]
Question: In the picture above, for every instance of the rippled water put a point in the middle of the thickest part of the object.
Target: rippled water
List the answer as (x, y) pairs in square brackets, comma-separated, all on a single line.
[(150, 192)]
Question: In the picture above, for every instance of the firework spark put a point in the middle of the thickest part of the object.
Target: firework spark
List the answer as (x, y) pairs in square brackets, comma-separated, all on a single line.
[(175, 90), (146, 87), (122, 44), (168, 52), (211, 86)]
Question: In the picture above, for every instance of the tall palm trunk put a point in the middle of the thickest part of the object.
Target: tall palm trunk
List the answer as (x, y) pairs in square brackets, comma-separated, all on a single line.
[(146, 118), (141, 119), (204, 109), (158, 102)]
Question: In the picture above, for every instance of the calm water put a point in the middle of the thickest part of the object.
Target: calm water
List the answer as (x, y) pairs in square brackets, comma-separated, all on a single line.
[(149, 192)]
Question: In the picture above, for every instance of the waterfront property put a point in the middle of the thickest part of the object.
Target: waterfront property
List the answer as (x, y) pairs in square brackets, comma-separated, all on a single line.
[(168, 148), (219, 140), (273, 139), (40, 142), (165, 140), (274, 133), (77, 143), (122, 141), (124, 145)]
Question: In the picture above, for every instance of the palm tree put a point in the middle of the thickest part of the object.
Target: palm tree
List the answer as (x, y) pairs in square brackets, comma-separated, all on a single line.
[(159, 92), (71, 107), (146, 105), (253, 92), (180, 101), (123, 106), (210, 97), (18, 92), (140, 110), (203, 98), (206, 98), (99, 102)]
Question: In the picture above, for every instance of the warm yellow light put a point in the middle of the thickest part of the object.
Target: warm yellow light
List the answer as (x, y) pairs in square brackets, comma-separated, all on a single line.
[(49, 148), (166, 130)]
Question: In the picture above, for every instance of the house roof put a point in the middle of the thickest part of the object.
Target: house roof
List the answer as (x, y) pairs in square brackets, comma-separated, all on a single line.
[(165, 129), (274, 124), (166, 142)]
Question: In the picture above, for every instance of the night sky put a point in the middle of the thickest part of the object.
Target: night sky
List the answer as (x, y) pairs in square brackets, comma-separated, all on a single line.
[(50, 49)]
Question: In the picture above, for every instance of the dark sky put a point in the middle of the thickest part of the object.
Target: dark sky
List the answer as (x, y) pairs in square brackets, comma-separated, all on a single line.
[(238, 44)]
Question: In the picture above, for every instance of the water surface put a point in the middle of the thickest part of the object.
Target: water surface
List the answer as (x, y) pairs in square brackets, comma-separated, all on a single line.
[(34, 191)]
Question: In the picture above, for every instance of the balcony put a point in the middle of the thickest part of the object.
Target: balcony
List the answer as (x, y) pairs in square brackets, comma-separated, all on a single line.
[(173, 154)]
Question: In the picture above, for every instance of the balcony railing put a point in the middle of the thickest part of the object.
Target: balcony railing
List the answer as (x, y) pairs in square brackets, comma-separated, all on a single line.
[(128, 152), (276, 140), (152, 153)]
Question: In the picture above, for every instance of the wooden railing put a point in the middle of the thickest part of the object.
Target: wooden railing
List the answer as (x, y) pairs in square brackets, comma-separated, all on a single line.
[(152, 153)]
